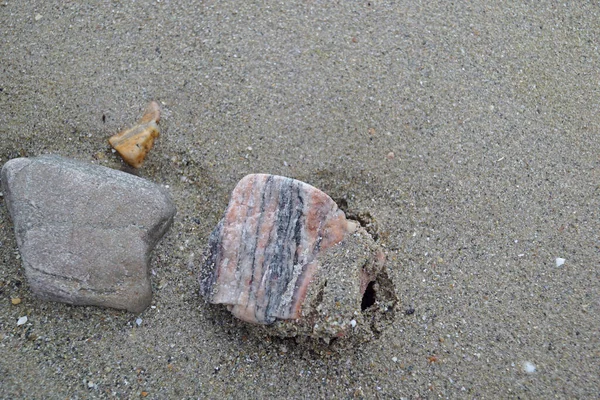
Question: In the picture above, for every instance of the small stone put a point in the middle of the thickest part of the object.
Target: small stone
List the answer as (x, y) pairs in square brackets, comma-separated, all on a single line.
[(85, 232), (560, 261), (22, 321), (433, 359), (395, 359), (38, 17), (390, 155), (15, 301), (138, 321), (529, 367), (284, 255), (133, 144)]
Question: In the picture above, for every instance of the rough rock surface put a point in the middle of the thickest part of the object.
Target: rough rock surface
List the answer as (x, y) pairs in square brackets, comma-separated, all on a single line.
[(85, 232), (286, 257)]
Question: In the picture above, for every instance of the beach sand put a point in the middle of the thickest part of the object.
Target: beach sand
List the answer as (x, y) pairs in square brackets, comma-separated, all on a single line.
[(468, 132)]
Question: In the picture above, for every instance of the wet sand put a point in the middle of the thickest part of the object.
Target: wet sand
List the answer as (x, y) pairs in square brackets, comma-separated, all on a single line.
[(467, 132)]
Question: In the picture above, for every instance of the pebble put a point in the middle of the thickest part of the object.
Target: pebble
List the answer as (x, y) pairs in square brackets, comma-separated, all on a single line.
[(284, 250), (560, 261), (22, 321), (133, 144), (529, 367), (15, 301), (138, 321), (85, 232)]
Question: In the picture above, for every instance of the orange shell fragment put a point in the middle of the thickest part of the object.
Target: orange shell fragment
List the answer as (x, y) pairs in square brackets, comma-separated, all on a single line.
[(133, 144)]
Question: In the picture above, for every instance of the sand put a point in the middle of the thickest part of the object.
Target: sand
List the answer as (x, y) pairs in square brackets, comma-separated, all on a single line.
[(467, 132)]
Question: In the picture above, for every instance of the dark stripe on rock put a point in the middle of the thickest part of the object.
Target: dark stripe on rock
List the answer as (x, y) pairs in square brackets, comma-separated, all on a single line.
[(209, 275), (278, 266), (267, 189)]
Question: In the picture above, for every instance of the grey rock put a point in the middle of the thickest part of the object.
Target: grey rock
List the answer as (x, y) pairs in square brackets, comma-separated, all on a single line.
[(85, 232)]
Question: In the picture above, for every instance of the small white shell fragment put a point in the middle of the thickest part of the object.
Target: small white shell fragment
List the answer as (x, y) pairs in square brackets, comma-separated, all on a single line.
[(560, 261), (22, 320), (529, 367), (353, 323), (395, 359), (138, 321)]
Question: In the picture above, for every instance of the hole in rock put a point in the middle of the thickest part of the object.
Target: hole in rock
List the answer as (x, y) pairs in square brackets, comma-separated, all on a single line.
[(369, 297), (342, 204)]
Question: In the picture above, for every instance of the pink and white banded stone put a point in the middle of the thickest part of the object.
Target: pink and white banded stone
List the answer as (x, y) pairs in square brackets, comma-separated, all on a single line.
[(264, 253)]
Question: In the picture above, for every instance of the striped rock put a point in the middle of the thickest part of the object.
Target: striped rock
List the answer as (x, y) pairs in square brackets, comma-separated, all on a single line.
[(269, 258)]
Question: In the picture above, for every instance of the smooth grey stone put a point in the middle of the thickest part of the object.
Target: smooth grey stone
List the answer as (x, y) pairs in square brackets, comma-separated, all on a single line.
[(85, 232)]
